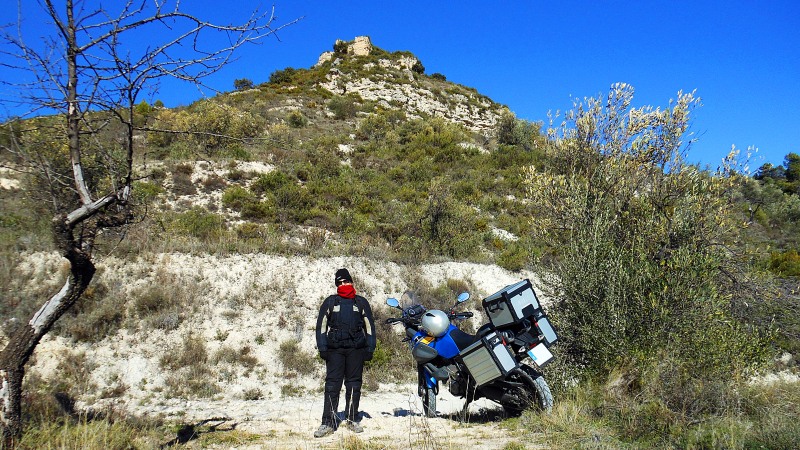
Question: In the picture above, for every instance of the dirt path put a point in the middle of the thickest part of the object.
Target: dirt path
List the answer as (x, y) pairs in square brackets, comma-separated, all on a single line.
[(391, 419)]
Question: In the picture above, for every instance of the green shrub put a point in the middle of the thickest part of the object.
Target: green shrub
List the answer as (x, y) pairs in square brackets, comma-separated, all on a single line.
[(195, 381), (235, 174), (73, 375), (270, 182), (167, 120), (340, 47), (252, 394), (214, 183), (249, 230), (514, 257), (282, 76), (515, 132), (373, 128), (236, 197), (236, 151), (343, 107), (146, 192), (106, 433), (243, 84), (291, 203), (153, 301), (638, 281), (450, 227), (785, 264), (163, 302), (381, 357), (206, 124), (199, 223), (96, 315), (142, 113), (256, 211), (296, 119), (292, 390), (211, 124), (178, 150)]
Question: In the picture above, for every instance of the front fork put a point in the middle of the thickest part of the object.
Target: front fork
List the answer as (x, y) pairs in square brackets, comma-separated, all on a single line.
[(426, 381)]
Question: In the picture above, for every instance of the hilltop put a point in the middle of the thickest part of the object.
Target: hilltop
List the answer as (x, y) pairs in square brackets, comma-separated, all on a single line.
[(362, 153)]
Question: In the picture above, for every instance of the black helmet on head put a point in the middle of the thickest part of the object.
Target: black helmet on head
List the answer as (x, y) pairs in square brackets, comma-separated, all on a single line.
[(341, 276)]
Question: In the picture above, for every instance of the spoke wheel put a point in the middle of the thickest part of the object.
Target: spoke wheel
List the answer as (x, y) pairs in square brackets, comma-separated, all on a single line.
[(533, 394), (429, 402)]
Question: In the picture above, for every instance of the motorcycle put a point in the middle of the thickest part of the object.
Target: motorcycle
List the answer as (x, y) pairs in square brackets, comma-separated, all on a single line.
[(501, 362)]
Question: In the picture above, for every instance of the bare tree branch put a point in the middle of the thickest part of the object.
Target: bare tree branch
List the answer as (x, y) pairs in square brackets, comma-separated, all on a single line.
[(86, 73)]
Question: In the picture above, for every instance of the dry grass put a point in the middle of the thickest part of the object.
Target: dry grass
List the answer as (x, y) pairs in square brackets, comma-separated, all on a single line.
[(296, 360), (90, 435), (229, 355)]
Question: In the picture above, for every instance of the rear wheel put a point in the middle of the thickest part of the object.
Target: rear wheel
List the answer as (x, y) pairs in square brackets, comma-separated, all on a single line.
[(544, 398), (429, 402), (533, 393)]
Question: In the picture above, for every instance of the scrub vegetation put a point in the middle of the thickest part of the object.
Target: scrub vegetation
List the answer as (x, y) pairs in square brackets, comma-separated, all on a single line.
[(676, 285)]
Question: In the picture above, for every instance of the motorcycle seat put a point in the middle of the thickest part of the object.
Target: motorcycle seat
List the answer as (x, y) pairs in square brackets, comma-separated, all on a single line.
[(462, 339), (484, 330)]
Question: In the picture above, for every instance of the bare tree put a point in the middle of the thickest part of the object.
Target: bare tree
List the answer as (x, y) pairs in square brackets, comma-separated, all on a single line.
[(91, 71)]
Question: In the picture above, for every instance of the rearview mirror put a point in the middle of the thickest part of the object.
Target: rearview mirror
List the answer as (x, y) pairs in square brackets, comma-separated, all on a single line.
[(462, 297), (393, 302)]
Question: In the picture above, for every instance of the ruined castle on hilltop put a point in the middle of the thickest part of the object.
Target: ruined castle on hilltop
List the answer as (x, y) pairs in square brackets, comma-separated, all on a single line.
[(361, 46)]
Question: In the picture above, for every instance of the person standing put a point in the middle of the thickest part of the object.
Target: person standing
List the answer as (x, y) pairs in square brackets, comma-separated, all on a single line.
[(345, 339)]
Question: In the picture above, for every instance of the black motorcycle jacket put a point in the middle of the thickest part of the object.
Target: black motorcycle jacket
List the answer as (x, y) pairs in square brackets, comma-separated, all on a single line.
[(345, 323)]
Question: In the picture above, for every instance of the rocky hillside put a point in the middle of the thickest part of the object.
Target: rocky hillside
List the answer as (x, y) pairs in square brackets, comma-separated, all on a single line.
[(206, 306), (363, 153), (397, 82)]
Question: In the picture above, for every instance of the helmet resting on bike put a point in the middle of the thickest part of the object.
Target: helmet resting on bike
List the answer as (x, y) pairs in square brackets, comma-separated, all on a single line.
[(435, 323)]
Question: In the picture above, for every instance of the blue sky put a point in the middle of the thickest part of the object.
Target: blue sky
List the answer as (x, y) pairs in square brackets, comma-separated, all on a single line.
[(741, 57)]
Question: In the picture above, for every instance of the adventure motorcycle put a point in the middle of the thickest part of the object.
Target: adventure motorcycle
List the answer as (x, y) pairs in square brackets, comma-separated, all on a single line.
[(501, 362)]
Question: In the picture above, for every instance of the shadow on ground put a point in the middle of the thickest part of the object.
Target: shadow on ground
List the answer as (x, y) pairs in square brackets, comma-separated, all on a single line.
[(190, 432)]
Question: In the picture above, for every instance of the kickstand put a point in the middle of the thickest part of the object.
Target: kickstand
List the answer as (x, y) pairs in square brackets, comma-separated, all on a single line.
[(464, 414)]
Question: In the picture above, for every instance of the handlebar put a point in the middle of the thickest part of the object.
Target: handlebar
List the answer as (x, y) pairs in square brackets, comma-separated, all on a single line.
[(412, 316), (461, 315)]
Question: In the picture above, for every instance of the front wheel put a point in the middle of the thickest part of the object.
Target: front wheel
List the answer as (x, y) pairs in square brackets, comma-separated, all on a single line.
[(429, 402)]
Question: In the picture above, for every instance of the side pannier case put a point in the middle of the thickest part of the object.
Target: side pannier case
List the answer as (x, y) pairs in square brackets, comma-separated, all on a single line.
[(488, 359), (516, 303), (511, 304)]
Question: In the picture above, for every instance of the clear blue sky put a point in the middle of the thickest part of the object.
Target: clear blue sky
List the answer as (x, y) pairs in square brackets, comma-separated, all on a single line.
[(741, 57)]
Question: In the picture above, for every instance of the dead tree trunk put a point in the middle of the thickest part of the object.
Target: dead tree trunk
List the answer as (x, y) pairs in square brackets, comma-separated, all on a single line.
[(25, 338), (84, 68)]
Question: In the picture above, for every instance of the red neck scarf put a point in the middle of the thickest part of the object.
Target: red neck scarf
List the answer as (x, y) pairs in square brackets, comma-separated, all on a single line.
[(346, 291)]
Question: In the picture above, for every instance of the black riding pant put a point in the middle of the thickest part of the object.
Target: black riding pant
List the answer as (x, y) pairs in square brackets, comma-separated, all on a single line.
[(343, 364)]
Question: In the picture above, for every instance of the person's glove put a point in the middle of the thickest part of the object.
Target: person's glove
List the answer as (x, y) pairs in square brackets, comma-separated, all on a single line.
[(324, 355), (368, 356)]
